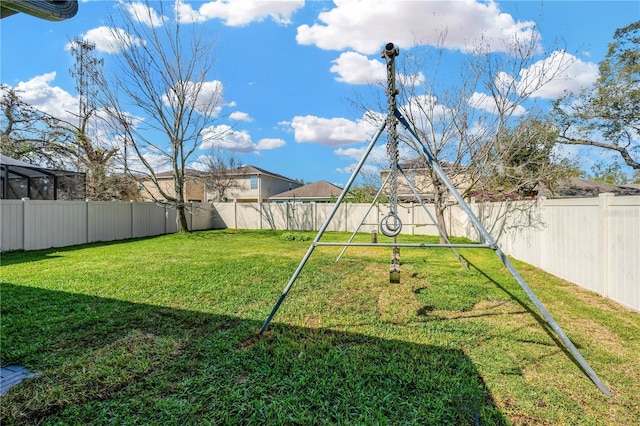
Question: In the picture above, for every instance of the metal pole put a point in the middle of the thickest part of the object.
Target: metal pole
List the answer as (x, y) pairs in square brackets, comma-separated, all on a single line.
[(323, 228), (435, 222), (364, 217), (490, 241)]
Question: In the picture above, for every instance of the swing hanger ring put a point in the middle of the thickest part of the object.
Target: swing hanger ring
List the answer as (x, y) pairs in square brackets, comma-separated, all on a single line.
[(391, 225)]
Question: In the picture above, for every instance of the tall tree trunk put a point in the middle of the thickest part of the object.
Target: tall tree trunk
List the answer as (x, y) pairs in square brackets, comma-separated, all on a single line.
[(181, 212), (439, 201), (183, 226)]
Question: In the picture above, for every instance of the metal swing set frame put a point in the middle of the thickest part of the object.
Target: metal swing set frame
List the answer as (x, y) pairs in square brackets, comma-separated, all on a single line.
[(391, 225)]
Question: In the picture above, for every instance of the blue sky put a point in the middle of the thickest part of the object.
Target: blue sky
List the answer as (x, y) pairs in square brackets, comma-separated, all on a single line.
[(288, 69)]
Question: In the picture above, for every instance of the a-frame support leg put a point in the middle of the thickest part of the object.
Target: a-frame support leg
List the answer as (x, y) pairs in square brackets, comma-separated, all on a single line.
[(505, 260), (323, 228)]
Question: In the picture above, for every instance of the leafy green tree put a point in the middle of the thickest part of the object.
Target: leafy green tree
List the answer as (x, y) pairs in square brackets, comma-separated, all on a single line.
[(609, 173), (524, 159), (29, 134), (608, 115)]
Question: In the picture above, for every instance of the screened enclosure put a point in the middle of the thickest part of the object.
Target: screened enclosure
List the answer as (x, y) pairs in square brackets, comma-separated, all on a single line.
[(19, 179)]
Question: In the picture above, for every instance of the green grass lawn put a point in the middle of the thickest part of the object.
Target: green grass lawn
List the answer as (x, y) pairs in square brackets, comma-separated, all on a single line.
[(163, 331)]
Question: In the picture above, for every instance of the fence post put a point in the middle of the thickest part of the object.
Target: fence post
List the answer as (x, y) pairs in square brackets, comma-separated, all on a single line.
[(86, 228), (605, 201), (235, 214), (131, 233), (25, 201)]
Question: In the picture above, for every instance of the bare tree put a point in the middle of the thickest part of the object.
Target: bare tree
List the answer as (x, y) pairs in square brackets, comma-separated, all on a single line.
[(161, 98), (463, 121), (219, 175)]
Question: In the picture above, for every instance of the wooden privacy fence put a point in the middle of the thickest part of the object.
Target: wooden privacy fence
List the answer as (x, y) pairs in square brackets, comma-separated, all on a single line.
[(592, 242)]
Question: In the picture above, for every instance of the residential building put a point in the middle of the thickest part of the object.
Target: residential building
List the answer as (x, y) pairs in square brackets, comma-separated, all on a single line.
[(194, 186), (417, 171), (257, 185), (319, 192), (246, 184)]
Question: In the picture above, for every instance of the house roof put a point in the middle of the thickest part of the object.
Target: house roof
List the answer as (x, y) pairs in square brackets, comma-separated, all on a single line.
[(587, 188), (240, 171), (253, 170), (316, 190), (419, 163), (187, 172)]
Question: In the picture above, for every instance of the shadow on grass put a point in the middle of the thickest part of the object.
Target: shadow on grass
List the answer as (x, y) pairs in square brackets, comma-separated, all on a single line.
[(21, 256), (536, 315), (109, 361)]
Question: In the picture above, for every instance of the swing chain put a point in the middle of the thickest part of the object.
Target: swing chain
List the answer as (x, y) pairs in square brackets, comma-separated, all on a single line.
[(388, 226)]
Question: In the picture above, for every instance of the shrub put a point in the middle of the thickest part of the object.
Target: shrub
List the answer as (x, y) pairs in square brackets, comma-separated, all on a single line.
[(294, 236)]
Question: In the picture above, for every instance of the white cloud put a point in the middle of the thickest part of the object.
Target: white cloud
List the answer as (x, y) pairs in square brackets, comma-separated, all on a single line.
[(331, 131), (365, 26), (186, 15), (144, 14), (53, 100), (240, 116), (102, 37), (550, 77), (428, 103), (570, 75), (159, 162), (488, 103), (270, 143), (236, 13), (367, 169), (209, 97), (353, 153), (355, 68), (225, 138)]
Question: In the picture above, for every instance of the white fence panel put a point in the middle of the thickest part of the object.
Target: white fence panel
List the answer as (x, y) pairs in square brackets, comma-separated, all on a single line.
[(11, 225), (423, 224), (248, 215), (573, 240), (52, 224), (275, 216), (110, 221), (202, 216), (149, 219), (592, 242), (301, 217), (225, 215), (622, 250), (339, 220)]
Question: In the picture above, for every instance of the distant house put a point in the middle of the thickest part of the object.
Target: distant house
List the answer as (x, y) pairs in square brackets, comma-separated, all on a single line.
[(418, 173), (194, 186), (257, 185), (250, 184), (319, 192)]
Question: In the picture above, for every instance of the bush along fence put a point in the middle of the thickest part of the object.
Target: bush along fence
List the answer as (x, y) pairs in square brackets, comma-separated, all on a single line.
[(592, 242)]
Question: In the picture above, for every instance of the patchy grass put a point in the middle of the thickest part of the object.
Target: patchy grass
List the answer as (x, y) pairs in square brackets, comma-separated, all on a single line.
[(162, 331)]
